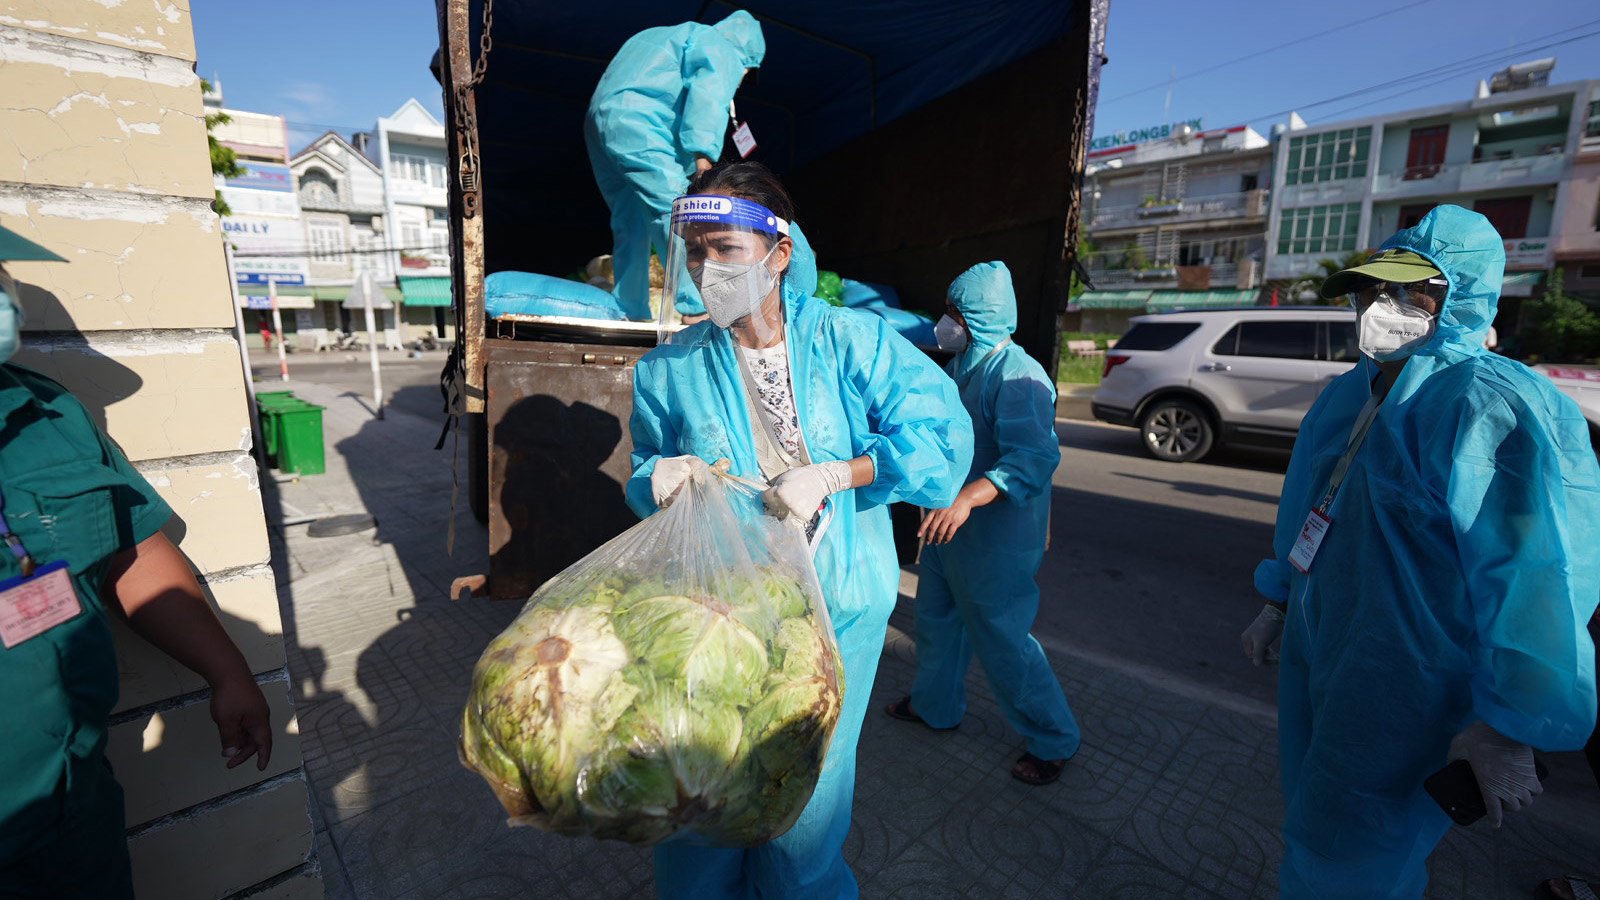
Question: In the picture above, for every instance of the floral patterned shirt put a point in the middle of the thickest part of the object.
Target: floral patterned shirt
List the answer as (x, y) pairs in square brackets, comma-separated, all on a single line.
[(769, 369)]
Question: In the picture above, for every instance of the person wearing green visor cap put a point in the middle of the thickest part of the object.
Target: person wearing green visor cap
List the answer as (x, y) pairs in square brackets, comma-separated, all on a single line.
[(82, 542), (1433, 569)]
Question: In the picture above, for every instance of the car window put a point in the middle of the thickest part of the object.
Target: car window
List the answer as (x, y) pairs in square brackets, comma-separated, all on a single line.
[(1342, 346), (1275, 340), (1155, 335)]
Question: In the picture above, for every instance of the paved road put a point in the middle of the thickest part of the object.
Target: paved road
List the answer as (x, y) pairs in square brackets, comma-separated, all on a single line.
[(1151, 565), (409, 383)]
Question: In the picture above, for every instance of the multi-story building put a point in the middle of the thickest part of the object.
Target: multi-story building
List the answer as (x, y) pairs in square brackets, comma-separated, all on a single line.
[(1578, 238), (1176, 222), (1506, 153), (342, 204), (409, 148), (263, 224)]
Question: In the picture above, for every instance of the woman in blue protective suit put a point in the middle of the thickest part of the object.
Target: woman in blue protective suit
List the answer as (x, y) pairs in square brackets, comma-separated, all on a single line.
[(1441, 614), (659, 115), (841, 416), (977, 592)]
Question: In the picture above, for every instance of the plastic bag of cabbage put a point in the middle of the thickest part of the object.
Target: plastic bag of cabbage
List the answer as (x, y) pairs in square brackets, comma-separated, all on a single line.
[(682, 677)]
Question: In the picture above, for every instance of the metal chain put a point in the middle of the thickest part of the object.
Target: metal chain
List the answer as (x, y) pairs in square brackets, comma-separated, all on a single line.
[(466, 122)]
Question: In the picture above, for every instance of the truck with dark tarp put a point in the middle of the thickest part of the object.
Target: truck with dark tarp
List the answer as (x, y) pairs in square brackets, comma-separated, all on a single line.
[(917, 137)]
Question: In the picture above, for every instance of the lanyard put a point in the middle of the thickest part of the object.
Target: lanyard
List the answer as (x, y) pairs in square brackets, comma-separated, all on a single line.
[(1358, 433), (24, 560)]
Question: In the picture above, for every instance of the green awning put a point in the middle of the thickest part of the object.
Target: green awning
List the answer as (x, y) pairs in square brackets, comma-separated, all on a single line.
[(432, 290), (1112, 299), (1166, 300), (332, 293)]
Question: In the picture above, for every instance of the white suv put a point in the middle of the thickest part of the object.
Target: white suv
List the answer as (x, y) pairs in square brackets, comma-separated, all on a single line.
[(1191, 380)]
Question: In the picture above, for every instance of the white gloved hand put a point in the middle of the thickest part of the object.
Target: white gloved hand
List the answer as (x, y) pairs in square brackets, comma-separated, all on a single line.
[(1260, 640), (799, 492), (669, 475), (1504, 769)]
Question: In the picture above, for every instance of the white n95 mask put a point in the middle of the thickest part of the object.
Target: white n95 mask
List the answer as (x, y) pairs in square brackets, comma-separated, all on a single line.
[(732, 291), (1390, 330), (950, 335)]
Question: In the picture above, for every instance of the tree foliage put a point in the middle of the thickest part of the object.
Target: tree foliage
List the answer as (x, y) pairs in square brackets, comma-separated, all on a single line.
[(224, 161), (1558, 327)]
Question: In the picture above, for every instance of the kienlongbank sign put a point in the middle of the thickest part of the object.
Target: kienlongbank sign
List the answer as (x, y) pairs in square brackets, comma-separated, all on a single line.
[(1140, 135)]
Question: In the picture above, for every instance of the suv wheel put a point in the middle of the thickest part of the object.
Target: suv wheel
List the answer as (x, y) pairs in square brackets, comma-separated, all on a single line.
[(1176, 431)]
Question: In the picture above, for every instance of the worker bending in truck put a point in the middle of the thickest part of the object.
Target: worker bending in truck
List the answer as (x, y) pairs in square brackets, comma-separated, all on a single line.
[(81, 537), (1435, 565), (977, 593), (842, 417), (657, 117)]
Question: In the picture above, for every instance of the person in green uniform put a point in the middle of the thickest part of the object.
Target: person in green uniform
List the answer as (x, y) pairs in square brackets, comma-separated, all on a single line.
[(80, 542)]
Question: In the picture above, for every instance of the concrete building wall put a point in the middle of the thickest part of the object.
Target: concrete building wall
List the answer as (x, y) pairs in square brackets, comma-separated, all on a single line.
[(103, 159)]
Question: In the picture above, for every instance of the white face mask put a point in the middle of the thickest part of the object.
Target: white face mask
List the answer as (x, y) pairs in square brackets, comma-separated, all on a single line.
[(950, 335), (1391, 330), (733, 291)]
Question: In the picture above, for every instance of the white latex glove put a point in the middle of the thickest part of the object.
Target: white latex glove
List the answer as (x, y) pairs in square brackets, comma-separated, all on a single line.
[(1260, 640), (670, 474), (799, 492), (1503, 767)]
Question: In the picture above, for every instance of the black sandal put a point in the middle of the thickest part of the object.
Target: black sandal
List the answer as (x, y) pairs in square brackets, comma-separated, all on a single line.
[(901, 709), (1045, 771)]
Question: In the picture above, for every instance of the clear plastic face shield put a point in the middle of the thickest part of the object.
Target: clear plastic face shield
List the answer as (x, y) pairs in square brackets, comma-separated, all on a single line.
[(725, 261), (1394, 319)]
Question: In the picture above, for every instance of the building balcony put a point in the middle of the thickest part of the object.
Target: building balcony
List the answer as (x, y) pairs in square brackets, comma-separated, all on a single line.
[(1472, 177), (1242, 205), (1223, 275), (1492, 174)]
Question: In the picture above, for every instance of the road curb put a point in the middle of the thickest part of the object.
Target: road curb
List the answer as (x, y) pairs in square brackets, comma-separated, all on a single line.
[(1072, 401)]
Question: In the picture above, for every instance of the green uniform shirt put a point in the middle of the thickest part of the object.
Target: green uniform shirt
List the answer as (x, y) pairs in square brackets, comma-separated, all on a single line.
[(70, 495)]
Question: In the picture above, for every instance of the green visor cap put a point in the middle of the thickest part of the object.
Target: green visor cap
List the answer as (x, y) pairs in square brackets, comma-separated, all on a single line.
[(14, 246), (1394, 266)]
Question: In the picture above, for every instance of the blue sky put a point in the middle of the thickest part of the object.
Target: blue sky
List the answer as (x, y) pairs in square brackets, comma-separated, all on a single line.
[(1149, 42), (343, 63)]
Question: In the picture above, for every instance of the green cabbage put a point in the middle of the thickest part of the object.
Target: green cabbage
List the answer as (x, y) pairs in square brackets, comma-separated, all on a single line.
[(623, 709)]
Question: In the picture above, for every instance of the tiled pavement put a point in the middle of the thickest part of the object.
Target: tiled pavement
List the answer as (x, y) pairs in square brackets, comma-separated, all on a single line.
[(1169, 797)]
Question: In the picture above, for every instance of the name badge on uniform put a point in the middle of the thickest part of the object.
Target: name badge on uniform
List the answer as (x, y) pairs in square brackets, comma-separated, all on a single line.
[(1310, 538), (744, 141), (31, 606)]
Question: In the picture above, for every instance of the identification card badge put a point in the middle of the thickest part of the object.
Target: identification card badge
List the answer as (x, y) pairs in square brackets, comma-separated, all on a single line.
[(31, 606), (1311, 535), (744, 141)]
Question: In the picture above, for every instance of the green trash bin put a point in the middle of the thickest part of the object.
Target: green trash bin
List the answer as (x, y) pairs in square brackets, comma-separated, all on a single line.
[(299, 439), (268, 404)]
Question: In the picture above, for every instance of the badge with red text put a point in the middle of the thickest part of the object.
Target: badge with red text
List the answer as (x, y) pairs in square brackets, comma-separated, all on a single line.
[(1311, 535), (744, 140), (31, 606)]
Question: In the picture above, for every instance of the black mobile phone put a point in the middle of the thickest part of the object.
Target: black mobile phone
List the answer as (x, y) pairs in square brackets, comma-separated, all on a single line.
[(1455, 789)]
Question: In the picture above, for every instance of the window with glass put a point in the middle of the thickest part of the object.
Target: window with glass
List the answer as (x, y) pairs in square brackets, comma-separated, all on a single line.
[(1330, 156), (1593, 128), (1269, 340), (327, 241), (1319, 229), (1342, 344)]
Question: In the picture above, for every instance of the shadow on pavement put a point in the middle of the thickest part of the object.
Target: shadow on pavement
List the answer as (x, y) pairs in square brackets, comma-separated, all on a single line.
[(1106, 439)]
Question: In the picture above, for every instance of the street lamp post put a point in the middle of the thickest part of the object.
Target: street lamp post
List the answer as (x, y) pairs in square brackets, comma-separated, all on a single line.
[(277, 327)]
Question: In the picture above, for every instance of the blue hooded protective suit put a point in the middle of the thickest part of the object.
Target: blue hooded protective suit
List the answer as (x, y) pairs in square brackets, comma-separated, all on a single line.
[(977, 593), (860, 390), (662, 102), (1453, 585)]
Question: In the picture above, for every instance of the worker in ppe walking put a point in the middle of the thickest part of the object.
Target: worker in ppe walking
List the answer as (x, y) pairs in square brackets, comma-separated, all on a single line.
[(658, 116), (1434, 569), (841, 416), (82, 543), (977, 592)]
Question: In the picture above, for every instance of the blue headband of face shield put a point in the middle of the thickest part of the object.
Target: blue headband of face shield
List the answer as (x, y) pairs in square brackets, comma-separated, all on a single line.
[(735, 212)]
